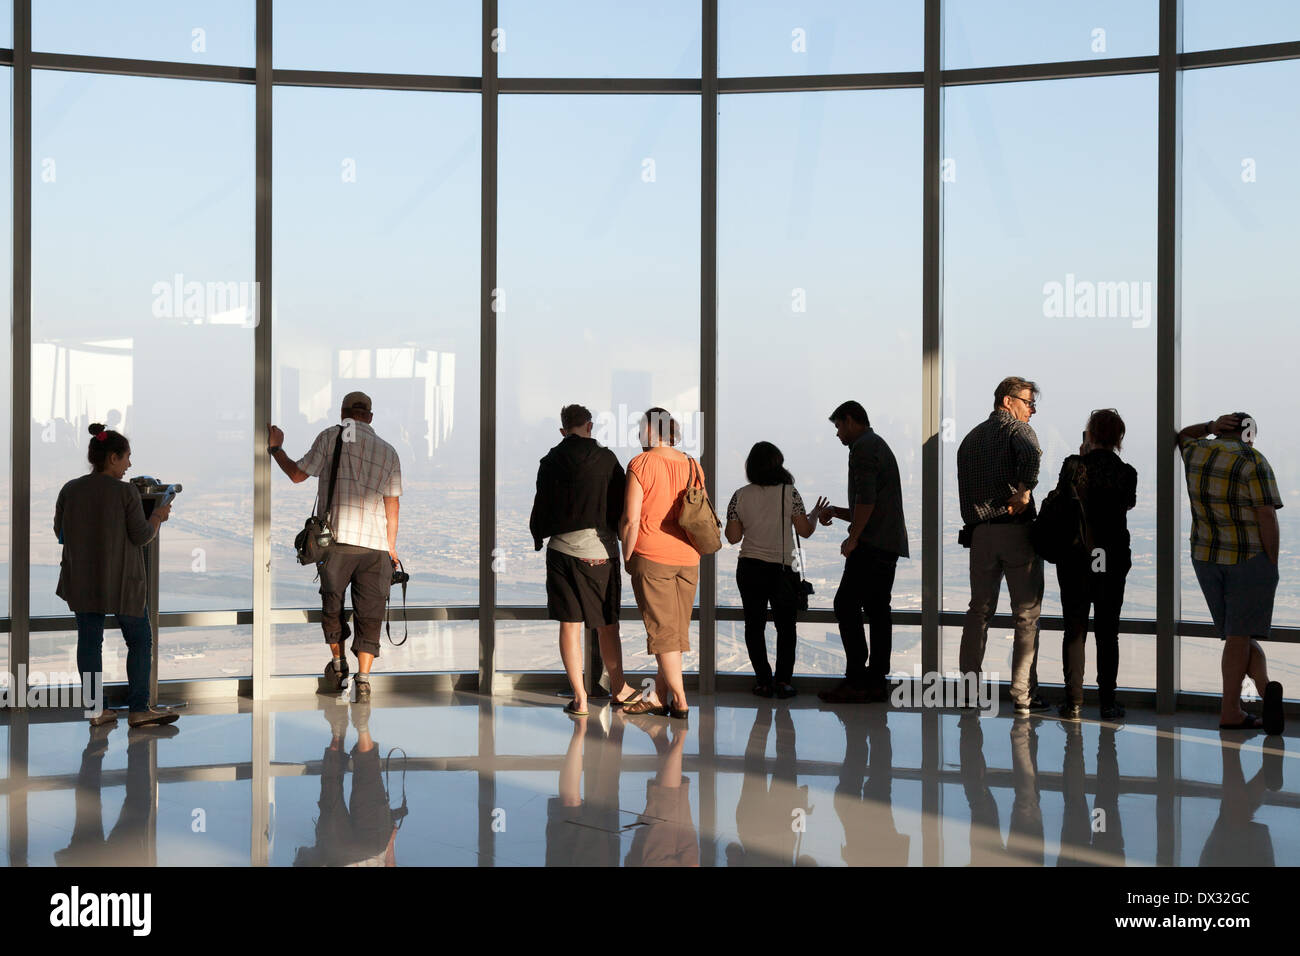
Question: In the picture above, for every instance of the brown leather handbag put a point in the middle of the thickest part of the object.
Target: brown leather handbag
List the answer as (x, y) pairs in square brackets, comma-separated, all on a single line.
[(697, 518)]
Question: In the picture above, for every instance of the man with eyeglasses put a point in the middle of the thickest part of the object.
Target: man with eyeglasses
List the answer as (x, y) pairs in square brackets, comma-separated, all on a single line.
[(997, 469)]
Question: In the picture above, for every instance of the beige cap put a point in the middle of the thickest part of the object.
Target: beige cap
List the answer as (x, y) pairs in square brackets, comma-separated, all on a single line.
[(356, 400)]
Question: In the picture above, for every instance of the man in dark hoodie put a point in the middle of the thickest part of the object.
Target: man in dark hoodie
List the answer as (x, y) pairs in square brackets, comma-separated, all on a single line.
[(578, 506)]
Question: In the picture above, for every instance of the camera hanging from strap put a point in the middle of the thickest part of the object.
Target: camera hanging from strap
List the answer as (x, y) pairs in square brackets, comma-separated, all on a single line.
[(399, 577)]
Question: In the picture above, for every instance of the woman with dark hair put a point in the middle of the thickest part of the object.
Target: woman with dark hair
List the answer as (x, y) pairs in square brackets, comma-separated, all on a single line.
[(662, 562), (764, 516), (99, 519), (1107, 487)]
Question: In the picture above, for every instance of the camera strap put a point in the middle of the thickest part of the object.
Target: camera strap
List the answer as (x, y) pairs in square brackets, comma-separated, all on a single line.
[(388, 615), (399, 813)]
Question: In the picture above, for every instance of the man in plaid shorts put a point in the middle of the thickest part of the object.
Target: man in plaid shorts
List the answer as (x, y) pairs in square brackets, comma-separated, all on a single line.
[(1235, 542), (364, 519)]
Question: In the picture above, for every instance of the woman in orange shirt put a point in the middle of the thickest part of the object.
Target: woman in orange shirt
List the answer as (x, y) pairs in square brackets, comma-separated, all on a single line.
[(663, 564)]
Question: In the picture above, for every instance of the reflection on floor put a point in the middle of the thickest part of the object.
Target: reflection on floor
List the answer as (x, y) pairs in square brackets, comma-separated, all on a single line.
[(455, 779)]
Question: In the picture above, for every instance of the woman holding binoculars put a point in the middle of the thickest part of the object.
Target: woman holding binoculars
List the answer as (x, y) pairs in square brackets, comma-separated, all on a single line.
[(99, 519)]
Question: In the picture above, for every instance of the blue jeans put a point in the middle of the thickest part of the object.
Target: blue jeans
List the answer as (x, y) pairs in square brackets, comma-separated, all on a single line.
[(139, 648)]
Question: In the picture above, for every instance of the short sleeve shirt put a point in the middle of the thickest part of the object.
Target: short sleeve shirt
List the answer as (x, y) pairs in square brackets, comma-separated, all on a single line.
[(1226, 481), (874, 480), (369, 472), (663, 476), (760, 509)]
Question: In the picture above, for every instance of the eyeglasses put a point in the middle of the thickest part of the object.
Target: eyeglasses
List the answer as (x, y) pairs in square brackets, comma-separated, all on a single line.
[(1033, 406)]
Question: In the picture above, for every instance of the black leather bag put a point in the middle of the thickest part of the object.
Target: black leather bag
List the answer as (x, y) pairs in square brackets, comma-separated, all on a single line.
[(314, 541), (1060, 531), (797, 589)]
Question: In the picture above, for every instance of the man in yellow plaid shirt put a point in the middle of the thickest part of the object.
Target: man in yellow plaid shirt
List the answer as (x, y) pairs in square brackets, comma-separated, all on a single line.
[(1235, 542)]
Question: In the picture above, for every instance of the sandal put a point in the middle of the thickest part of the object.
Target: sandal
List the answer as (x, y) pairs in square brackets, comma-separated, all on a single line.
[(676, 714), (631, 698), (644, 706), (1250, 723), (571, 708)]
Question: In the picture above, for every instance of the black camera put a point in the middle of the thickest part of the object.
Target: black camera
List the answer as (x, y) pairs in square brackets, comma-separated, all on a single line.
[(400, 577)]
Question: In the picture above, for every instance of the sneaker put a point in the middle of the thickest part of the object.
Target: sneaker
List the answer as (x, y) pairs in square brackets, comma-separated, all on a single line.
[(151, 717), (362, 691), (1112, 711), (104, 718), (335, 678), (1069, 711)]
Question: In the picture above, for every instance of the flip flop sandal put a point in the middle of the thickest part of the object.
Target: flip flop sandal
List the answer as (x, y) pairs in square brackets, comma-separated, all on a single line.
[(631, 698), (645, 707), (1250, 723), (571, 708)]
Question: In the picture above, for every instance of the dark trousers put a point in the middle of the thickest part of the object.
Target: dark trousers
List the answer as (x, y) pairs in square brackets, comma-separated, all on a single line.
[(865, 589), (139, 655), (1103, 591), (762, 583), (370, 574)]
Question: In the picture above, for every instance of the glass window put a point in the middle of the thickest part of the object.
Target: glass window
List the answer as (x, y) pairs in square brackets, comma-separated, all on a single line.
[(142, 260), (431, 37), (186, 31), (572, 38), (1049, 274), (1009, 32), (533, 646), (1199, 659), (801, 38), (1241, 132), (819, 302), (376, 289), (598, 290), (196, 652), (1213, 25), (6, 314), (430, 646)]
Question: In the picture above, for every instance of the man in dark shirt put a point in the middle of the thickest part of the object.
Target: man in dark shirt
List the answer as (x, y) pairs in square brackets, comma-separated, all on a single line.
[(578, 506), (997, 469), (877, 538)]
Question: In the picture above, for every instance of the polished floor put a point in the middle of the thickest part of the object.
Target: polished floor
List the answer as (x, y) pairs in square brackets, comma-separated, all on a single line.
[(455, 779)]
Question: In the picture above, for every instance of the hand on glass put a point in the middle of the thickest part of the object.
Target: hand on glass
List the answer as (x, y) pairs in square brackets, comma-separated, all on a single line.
[(274, 437)]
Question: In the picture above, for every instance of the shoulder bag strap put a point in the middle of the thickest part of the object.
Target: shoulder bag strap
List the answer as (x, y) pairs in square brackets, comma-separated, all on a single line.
[(798, 548), (334, 473)]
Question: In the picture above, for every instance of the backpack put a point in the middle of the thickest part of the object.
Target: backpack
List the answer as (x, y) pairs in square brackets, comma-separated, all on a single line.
[(1060, 532)]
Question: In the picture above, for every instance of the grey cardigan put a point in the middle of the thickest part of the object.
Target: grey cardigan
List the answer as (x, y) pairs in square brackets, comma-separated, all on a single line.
[(101, 522)]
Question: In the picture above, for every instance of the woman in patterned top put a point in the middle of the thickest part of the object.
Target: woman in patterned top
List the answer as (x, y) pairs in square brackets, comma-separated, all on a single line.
[(761, 515)]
